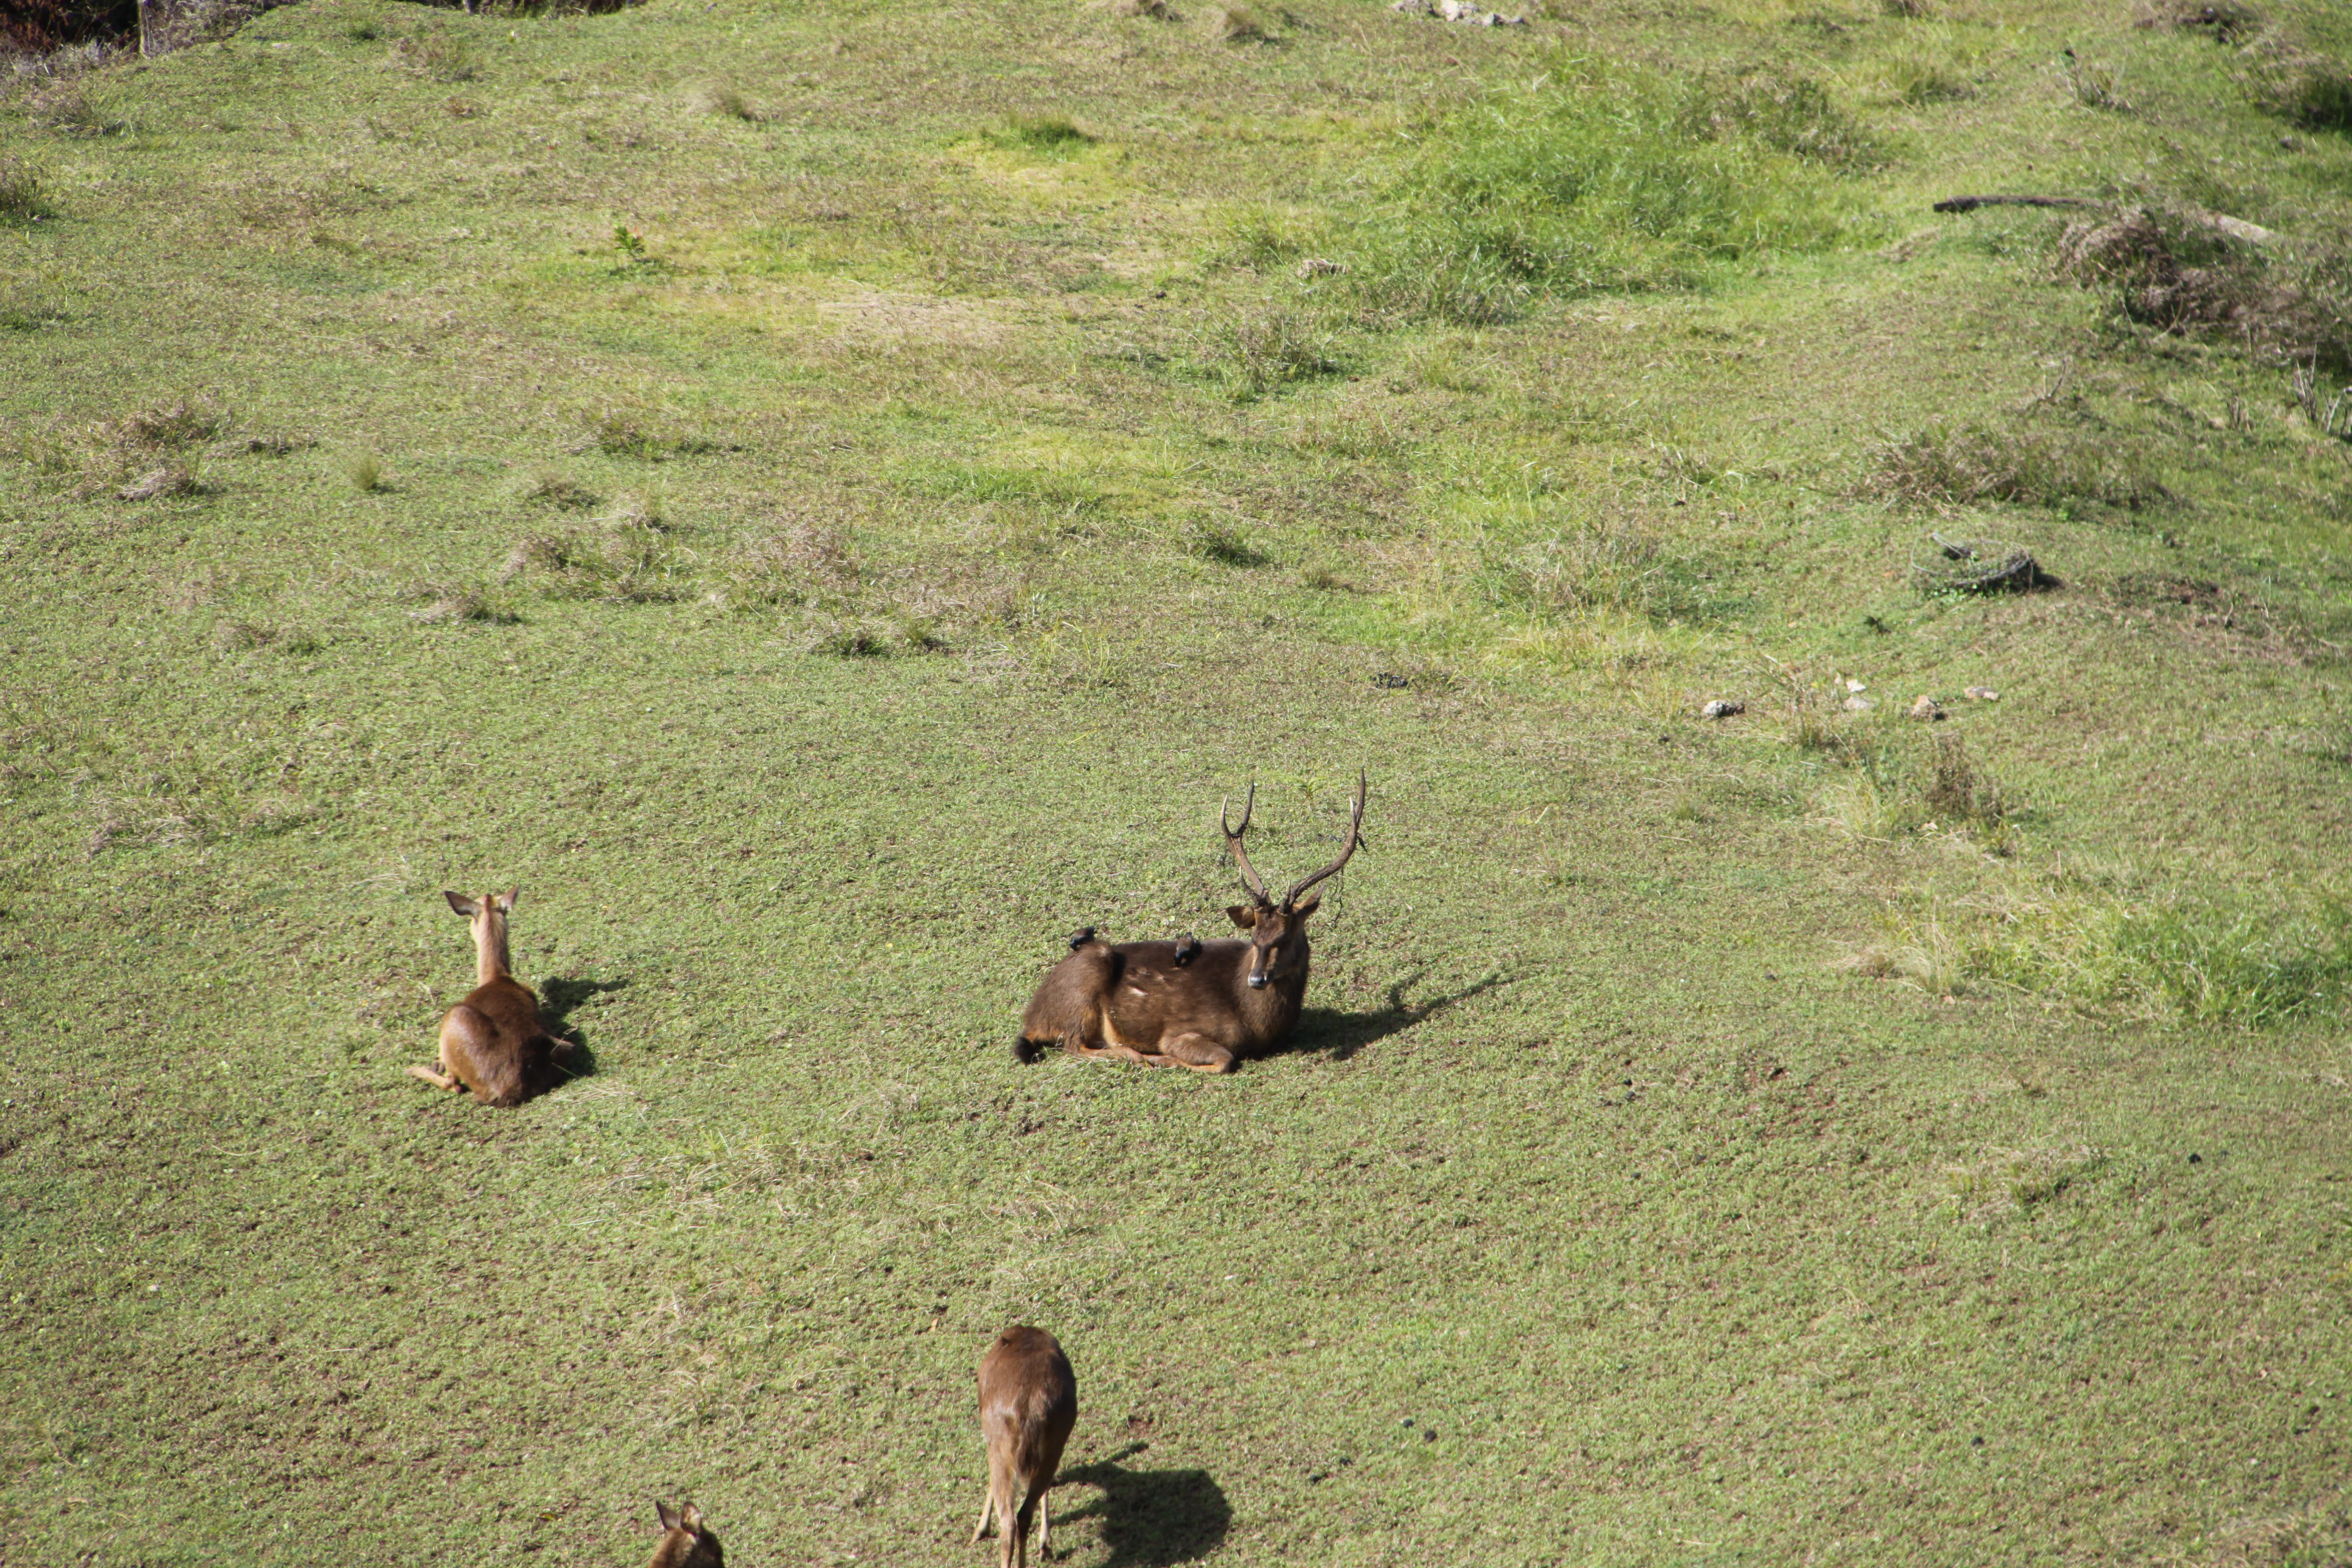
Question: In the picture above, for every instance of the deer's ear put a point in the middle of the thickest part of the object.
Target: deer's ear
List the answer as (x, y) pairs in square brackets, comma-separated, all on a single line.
[(1244, 915), (663, 1511), (505, 901), (692, 1518), (461, 903), (1308, 908)]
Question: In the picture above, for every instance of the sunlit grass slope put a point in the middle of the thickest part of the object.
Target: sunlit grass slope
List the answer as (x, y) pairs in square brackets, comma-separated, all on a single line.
[(827, 499)]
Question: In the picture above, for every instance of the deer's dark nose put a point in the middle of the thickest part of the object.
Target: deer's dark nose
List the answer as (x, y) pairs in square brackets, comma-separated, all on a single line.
[(1257, 979)]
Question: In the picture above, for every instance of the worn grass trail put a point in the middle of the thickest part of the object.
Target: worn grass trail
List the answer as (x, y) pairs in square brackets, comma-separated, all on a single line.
[(827, 542)]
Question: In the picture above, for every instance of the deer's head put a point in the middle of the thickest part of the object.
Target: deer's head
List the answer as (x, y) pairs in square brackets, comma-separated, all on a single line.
[(487, 917), (1278, 931)]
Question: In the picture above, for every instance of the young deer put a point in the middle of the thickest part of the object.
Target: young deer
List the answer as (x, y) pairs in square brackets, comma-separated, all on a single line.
[(685, 1543), (1028, 1403), (494, 1042), (1206, 1004)]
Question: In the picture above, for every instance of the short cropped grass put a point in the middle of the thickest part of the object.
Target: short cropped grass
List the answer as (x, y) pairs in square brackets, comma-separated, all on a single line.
[(827, 552)]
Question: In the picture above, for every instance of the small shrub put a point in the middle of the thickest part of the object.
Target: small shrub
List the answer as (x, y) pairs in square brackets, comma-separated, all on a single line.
[(24, 192), (366, 30), (1977, 463), (1265, 237), (364, 469), (2005, 1180)]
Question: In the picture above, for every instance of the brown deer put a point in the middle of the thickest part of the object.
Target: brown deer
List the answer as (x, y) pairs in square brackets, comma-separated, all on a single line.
[(685, 1543), (1028, 1403), (494, 1041), (1206, 1004)]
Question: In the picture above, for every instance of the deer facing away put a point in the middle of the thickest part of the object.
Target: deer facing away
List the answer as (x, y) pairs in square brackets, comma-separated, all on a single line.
[(1028, 1403), (685, 1543), (494, 1042), (1206, 1005)]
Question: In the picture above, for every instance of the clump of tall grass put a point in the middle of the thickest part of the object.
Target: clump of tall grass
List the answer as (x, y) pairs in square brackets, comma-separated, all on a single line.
[(1979, 462), (2203, 959), (1602, 177), (625, 561), (1255, 352), (24, 190), (1609, 564), (2300, 85)]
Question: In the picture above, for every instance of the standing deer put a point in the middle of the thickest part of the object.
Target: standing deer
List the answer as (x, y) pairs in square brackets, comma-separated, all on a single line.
[(494, 1041), (1206, 1004), (685, 1543), (1028, 1403)]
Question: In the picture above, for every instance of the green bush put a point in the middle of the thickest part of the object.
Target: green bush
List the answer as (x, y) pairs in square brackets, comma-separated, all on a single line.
[(1604, 177)]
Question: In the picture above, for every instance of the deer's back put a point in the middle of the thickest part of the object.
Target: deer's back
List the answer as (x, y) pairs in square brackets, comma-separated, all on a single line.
[(1028, 1395), (510, 1009)]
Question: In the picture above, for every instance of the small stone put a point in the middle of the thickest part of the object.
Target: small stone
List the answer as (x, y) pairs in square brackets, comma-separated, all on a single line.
[(1928, 709), (1982, 694), (1853, 685), (1722, 707), (1856, 704)]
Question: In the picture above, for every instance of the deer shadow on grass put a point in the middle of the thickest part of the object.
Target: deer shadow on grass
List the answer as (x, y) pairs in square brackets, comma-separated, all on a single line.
[(558, 999), (1341, 1035), (1150, 1518)]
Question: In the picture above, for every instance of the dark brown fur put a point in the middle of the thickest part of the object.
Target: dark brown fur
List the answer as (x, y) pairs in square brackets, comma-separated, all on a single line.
[(494, 1042), (1202, 1004), (1028, 1403), (685, 1543)]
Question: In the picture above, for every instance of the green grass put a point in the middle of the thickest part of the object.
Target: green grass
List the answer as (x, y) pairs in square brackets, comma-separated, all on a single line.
[(823, 554)]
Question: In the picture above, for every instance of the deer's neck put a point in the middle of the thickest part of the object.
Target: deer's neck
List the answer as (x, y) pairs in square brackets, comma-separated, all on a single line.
[(1270, 1013), (490, 950)]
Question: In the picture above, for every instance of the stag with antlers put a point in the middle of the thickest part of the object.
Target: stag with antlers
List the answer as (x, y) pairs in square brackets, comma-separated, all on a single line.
[(1203, 1005)]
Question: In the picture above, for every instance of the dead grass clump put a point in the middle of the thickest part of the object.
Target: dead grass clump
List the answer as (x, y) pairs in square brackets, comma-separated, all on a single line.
[(66, 107), (1612, 564), (1157, 10), (24, 190), (2004, 1181), (2299, 85), (621, 431), (168, 425), (457, 603), (727, 103), (618, 563), (1233, 25), (438, 54), (173, 478), (2225, 21), (552, 487), (2142, 257), (1257, 353), (1956, 791), (802, 563), (1974, 463)]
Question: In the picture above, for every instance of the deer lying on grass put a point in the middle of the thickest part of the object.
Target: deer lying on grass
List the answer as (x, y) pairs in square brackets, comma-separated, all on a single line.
[(1206, 1004), (1028, 1403), (494, 1041), (685, 1543)]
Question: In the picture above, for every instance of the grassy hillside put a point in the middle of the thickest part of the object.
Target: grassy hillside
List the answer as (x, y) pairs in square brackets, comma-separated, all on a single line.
[(827, 499)]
